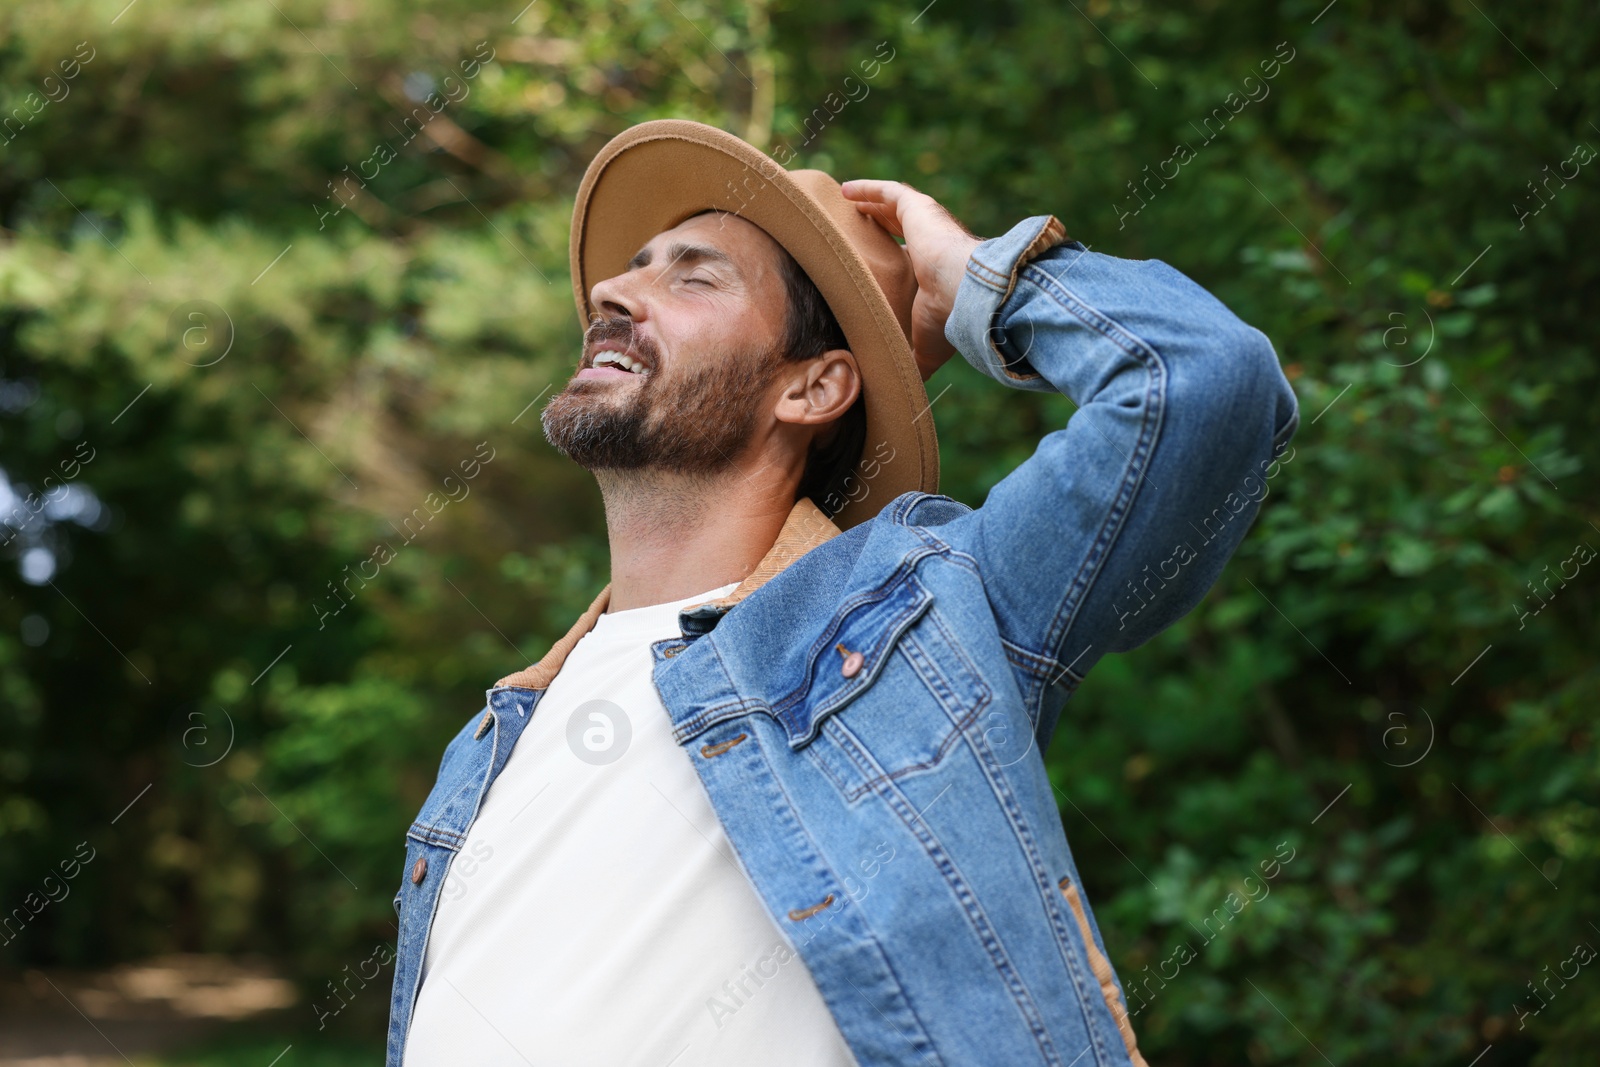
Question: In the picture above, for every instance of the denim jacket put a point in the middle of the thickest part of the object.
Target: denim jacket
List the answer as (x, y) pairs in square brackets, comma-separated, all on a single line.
[(894, 815)]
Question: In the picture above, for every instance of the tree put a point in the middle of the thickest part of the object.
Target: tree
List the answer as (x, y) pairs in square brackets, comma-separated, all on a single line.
[(275, 278)]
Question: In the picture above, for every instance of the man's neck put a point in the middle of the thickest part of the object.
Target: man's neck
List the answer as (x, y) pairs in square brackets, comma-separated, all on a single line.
[(673, 536)]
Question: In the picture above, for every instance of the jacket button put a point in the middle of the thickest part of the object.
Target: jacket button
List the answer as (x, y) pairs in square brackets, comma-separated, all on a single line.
[(852, 665), (419, 871)]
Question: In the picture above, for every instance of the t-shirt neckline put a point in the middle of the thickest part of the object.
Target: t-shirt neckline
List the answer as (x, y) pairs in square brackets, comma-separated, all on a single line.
[(654, 617)]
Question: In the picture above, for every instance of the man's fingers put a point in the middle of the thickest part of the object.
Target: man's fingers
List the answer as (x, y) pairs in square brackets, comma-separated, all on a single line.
[(884, 201), (873, 189), (884, 214)]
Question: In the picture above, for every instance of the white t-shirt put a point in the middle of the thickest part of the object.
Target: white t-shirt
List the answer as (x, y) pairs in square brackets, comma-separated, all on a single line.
[(596, 913)]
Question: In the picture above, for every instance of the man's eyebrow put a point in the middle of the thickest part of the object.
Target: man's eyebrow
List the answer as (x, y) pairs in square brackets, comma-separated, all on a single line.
[(683, 253)]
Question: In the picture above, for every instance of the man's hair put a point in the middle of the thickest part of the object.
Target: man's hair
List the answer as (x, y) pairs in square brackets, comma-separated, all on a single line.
[(810, 329)]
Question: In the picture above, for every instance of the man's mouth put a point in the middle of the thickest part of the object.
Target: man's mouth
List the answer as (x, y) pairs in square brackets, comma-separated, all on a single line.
[(620, 359), (614, 359)]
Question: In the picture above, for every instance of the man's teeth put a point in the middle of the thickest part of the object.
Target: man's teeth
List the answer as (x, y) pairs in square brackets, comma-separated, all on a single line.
[(621, 359)]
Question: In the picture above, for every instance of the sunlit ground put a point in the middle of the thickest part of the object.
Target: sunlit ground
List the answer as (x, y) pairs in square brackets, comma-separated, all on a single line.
[(179, 1011)]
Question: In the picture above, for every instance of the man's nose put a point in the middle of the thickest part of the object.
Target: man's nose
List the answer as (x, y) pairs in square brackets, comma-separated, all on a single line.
[(619, 297)]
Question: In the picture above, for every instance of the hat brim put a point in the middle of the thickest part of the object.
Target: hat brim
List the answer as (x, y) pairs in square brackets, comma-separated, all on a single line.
[(655, 175)]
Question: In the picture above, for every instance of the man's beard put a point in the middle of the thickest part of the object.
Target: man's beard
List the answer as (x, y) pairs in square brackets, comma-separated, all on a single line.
[(674, 421)]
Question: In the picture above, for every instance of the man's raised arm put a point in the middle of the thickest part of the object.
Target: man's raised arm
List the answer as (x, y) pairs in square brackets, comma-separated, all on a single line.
[(1118, 523)]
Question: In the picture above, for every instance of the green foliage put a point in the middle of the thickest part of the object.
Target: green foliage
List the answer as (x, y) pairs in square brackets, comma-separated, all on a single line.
[(303, 1049), (1329, 695)]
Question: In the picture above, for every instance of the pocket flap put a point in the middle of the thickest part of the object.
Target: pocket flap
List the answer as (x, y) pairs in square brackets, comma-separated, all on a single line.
[(868, 625)]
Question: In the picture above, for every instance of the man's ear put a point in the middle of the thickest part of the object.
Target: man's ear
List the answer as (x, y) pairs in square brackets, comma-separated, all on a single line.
[(819, 390)]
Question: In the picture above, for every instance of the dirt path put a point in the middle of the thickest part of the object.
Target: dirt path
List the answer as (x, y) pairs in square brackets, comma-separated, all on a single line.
[(107, 1018)]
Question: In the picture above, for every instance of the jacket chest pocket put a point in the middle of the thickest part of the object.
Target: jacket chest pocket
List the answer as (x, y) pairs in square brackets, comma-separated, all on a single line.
[(889, 692)]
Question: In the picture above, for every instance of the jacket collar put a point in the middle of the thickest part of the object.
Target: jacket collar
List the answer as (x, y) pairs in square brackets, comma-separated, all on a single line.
[(806, 527)]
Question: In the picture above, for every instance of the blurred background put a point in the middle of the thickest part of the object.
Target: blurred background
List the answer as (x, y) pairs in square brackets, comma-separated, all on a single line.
[(282, 282)]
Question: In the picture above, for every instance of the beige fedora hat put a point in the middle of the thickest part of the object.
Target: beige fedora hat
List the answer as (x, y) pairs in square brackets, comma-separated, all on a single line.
[(653, 176)]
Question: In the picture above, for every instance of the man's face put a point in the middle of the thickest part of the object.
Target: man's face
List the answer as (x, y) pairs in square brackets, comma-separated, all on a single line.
[(683, 351)]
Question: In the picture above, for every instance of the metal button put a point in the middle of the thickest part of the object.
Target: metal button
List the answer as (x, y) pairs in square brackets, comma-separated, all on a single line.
[(852, 665), (419, 871)]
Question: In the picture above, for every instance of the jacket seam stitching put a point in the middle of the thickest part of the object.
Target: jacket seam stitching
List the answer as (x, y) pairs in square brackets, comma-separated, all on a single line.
[(1008, 279), (977, 918), (1028, 844), (872, 772), (1138, 463), (1036, 663), (431, 835), (701, 721), (982, 272), (920, 1037)]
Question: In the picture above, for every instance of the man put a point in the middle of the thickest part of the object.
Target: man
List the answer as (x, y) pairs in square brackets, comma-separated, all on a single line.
[(778, 797)]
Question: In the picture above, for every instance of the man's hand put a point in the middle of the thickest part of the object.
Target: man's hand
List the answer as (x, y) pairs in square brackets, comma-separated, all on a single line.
[(939, 248)]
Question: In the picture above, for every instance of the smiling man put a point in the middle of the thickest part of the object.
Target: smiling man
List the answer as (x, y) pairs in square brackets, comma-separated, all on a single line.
[(746, 322), (778, 796)]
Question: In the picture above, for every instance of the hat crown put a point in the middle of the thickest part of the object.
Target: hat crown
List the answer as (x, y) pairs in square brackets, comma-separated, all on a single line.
[(885, 257)]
